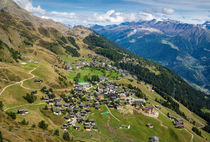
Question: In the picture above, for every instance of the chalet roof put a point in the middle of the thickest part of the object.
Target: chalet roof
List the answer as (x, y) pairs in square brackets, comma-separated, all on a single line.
[(22, 110), (64, 127), (91, 120), (95, 127), (56, 110), (154, 139), (67, 117), (58, 103)]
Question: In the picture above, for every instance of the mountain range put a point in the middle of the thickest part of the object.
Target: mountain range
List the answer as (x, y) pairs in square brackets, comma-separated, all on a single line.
[(182, 47)]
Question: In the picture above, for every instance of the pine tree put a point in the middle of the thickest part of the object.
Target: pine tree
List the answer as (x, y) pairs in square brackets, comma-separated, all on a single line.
[(1, 105), (56, 133), (66, 136), (43, 125), (1, 138)]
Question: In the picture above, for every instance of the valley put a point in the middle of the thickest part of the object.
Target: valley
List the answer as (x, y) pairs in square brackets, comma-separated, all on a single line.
[(179, 46)]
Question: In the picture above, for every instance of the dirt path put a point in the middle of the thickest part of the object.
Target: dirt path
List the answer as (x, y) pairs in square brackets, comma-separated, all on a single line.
[(191, 135), (62, 90), (161, 123), (184, 128), (112, 114), (22, 140), (33, 76), (24, 105), (20, 82)]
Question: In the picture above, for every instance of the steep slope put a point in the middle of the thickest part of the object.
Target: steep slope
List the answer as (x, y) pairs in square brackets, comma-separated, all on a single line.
[(181, 47), (11, 7)]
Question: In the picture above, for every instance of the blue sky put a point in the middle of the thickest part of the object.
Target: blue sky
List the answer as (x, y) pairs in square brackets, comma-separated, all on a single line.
[(85, 12)]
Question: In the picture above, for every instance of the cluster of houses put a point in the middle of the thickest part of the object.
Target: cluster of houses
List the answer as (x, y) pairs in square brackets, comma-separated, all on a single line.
[(113, 95), (78, 110), (96, 62), (132, 60), (77, 106), (178, 122)]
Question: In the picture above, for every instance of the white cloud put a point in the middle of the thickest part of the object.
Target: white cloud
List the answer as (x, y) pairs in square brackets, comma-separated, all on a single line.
[(64, 17), (109, 16), (62, 14), (144, 16), (114, 17), (168, 11), (27, 4), (163, 11)]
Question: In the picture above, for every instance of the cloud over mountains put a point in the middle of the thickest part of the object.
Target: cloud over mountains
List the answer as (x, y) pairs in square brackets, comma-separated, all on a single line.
[(112, 16)]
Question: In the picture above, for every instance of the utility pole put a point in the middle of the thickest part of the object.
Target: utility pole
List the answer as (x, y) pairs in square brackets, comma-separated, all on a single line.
[(113, 138), (91, 137)]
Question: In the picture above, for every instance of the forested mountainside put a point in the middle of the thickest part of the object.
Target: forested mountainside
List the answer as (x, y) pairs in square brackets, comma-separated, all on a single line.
[(81, 85), (165, 81), (182, 47)]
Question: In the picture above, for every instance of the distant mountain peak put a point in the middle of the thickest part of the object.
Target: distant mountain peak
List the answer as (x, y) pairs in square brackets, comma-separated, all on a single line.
[(206, 24)]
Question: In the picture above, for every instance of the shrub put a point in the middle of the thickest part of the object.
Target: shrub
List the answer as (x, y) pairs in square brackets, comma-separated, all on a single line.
[(95, 78), (43, 125), (30, 98), (1, 138), (12, 115), (24, 122), (196, 130), (33, 126), (66, 136), (56, 133), (1, 105)]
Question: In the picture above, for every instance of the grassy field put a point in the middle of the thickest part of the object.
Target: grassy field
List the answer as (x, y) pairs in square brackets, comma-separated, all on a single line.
[(88, 71), (33, 85), (110, 127), (13, 96), (205, 110), (147, 89)]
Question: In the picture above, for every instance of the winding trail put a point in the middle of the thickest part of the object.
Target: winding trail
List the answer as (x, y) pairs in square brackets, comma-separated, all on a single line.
[(191, 135), (112, 114), (191, 140), (33, 76), (22, 140), (20, 82), (24, 105), (62, 90)]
